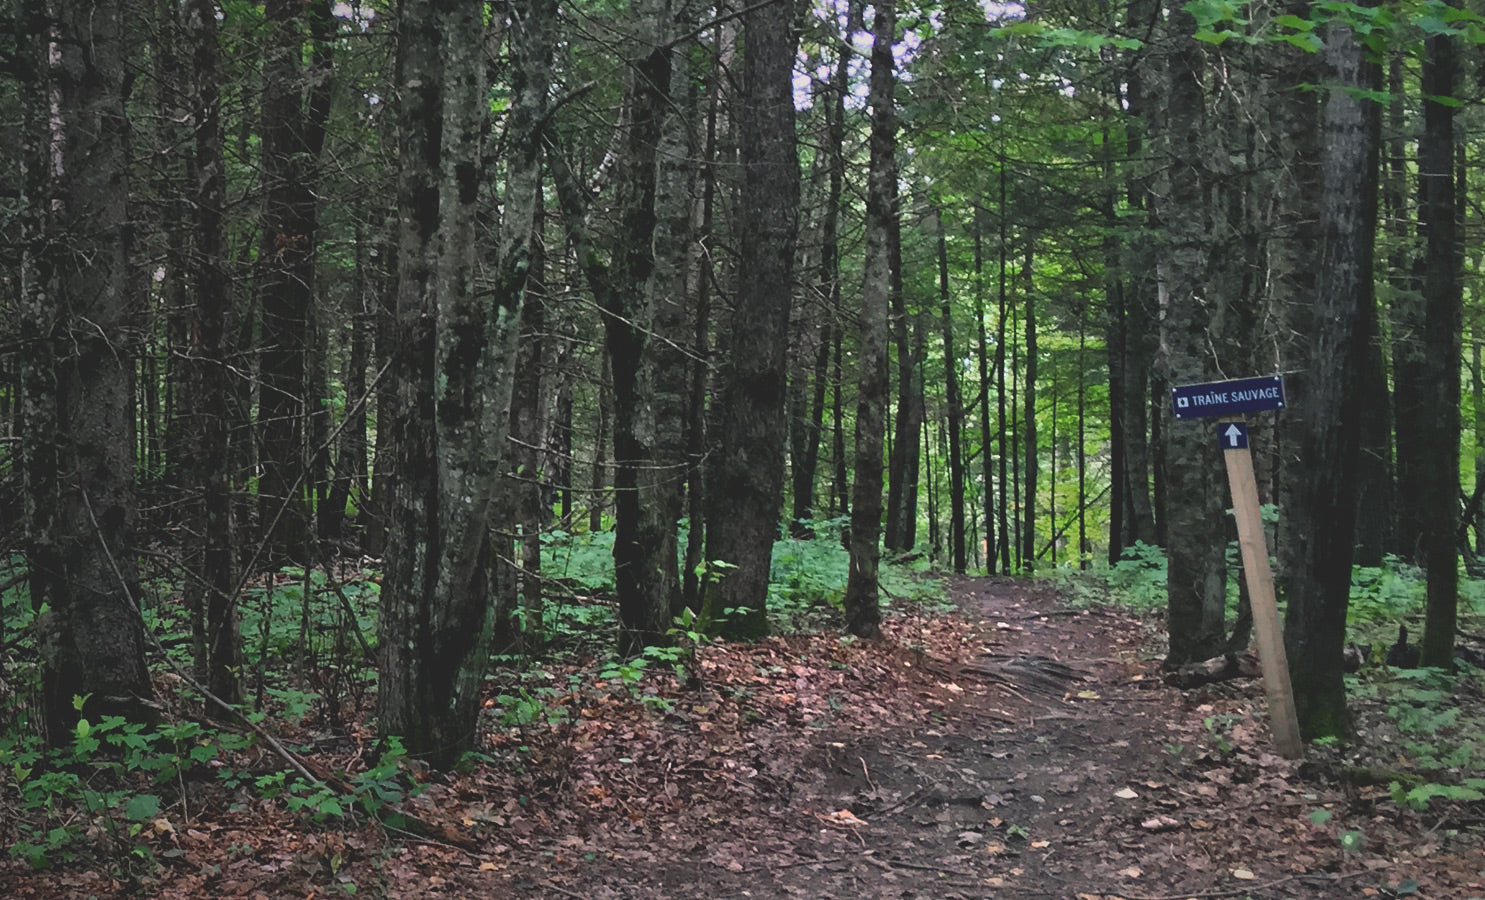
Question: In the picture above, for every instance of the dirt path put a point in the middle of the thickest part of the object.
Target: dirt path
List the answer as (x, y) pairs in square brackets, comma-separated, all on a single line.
[(1025, 785)]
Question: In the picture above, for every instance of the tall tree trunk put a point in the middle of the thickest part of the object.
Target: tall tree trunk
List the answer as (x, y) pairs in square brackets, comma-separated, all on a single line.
[(1001, 419), (747, 481), (900, 532), (78, 316), (697, 438), (385, 343), (1016, 450), (1197, 565), (1085, 550), (1376, 503), (862, 604), (956, 407), (663, 486), (1138, 295), (642, 305), (840, 481), (1443, 327), (1116, 337), (209, 396), (987, 458), (828, 278), (533, 405), (454, 369), (1329, 420), (296, 110), (602, 440), (1028, 398)]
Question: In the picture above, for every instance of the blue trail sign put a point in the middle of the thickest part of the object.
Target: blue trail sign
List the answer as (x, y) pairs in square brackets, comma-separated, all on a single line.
[(1227, 398)]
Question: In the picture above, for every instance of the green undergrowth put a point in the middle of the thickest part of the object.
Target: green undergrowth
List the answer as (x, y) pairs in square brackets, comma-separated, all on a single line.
[(807, 580), (115, 791), (1423, 726)]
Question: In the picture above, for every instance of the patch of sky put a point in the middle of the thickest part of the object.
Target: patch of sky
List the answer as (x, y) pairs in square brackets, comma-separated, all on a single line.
[(810, 74)]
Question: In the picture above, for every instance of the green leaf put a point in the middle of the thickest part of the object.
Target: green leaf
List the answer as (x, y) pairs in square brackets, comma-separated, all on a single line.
[(1443, 101), (1419, 796), (1215, 38), (1433, 25), (142, 807), (1307, 42), (1320, 816)]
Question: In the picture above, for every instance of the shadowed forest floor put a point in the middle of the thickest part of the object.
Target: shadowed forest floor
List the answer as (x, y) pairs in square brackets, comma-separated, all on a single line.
[(1016, 748)]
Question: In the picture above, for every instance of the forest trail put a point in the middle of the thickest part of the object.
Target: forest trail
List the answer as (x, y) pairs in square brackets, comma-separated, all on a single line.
[(1048, 761), (1017, 747)]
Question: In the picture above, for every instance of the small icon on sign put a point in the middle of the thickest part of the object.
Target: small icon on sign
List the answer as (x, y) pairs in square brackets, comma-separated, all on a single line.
[(1233, 437), (1183, 402)]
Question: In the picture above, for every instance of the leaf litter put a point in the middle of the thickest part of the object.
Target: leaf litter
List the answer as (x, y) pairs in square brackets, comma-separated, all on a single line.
[(1017, 747)]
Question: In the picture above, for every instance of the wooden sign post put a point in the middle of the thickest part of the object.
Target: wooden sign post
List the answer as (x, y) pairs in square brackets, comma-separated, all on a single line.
[(1283, 720), (1229, 399)]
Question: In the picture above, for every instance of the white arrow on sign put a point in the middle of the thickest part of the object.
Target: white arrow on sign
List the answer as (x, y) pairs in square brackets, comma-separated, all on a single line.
[(1233, 433)]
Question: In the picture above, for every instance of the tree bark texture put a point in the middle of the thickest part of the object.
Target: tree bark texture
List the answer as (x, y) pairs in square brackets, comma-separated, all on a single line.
[(209, 399), (645, 325), (982, 354), (900, 533), (81, 322), (296, 110), (1133, 327), (747, 482), (862, 597), (1196, 514), (1029, 450), (1328, 423), (1443, 329), (453, 370), (957, 548)]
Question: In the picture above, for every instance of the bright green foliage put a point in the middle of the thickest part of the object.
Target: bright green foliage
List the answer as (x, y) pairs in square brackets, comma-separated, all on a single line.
[(1385, 593), (113, 779), (583, 562), (302, 614), (1136, 581), (371, 791), (807, 581), (1417, 798), (1438, 716)]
